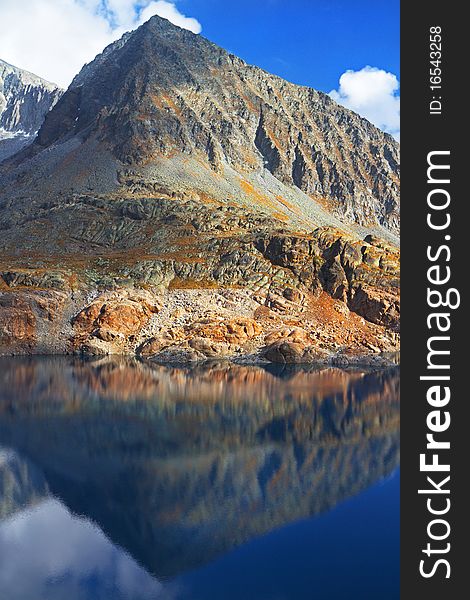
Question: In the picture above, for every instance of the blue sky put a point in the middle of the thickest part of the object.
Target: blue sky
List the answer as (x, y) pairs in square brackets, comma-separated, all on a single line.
[(310, 42), (348, 48)]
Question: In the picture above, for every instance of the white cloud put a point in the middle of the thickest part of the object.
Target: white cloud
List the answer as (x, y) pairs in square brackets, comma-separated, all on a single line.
[(48, 553), (55, 38), (169, 11), (374, 94)]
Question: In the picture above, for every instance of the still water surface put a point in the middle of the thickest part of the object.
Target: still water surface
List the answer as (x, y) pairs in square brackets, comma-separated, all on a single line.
[(121, 480)]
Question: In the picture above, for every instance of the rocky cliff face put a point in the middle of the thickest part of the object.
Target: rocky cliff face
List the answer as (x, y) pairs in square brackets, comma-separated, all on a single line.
[(25, 99), (177, 180)]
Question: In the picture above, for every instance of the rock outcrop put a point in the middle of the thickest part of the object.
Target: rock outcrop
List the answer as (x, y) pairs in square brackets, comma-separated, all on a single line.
[(262, 298)]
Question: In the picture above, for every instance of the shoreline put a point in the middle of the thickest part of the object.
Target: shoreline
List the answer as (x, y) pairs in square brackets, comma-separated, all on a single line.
[(380, 361)]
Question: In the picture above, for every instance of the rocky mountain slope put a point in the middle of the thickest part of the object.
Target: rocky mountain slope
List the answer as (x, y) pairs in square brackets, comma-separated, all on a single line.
[(25, 99), (182, 204)]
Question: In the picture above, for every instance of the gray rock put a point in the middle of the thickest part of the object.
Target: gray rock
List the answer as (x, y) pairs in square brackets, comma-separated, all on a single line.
[(25, 99)]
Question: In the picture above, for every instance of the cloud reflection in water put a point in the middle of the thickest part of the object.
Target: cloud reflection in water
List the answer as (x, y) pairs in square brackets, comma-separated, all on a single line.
[(47, 553)]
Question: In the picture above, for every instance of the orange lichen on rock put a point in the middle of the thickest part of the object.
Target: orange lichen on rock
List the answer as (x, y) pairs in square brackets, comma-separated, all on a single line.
[(17, 323), (234, 331), (114, 317), (28, 319), (253, 194)]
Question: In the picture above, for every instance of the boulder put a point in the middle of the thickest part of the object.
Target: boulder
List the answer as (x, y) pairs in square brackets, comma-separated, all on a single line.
[(377, 305), (211, 349), (231, 331), (285, 351), (114, 318), (290, 334)]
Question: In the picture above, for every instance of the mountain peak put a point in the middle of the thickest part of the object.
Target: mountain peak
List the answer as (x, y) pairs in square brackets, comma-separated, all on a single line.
[(171, 173), (161, 95), (25, 99), (26, 76)]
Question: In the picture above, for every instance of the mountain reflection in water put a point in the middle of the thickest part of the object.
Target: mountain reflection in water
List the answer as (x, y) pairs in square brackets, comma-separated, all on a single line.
[(145, 473)]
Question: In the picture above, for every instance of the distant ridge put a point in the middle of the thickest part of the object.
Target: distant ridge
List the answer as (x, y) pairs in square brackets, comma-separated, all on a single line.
[(25, 99)]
